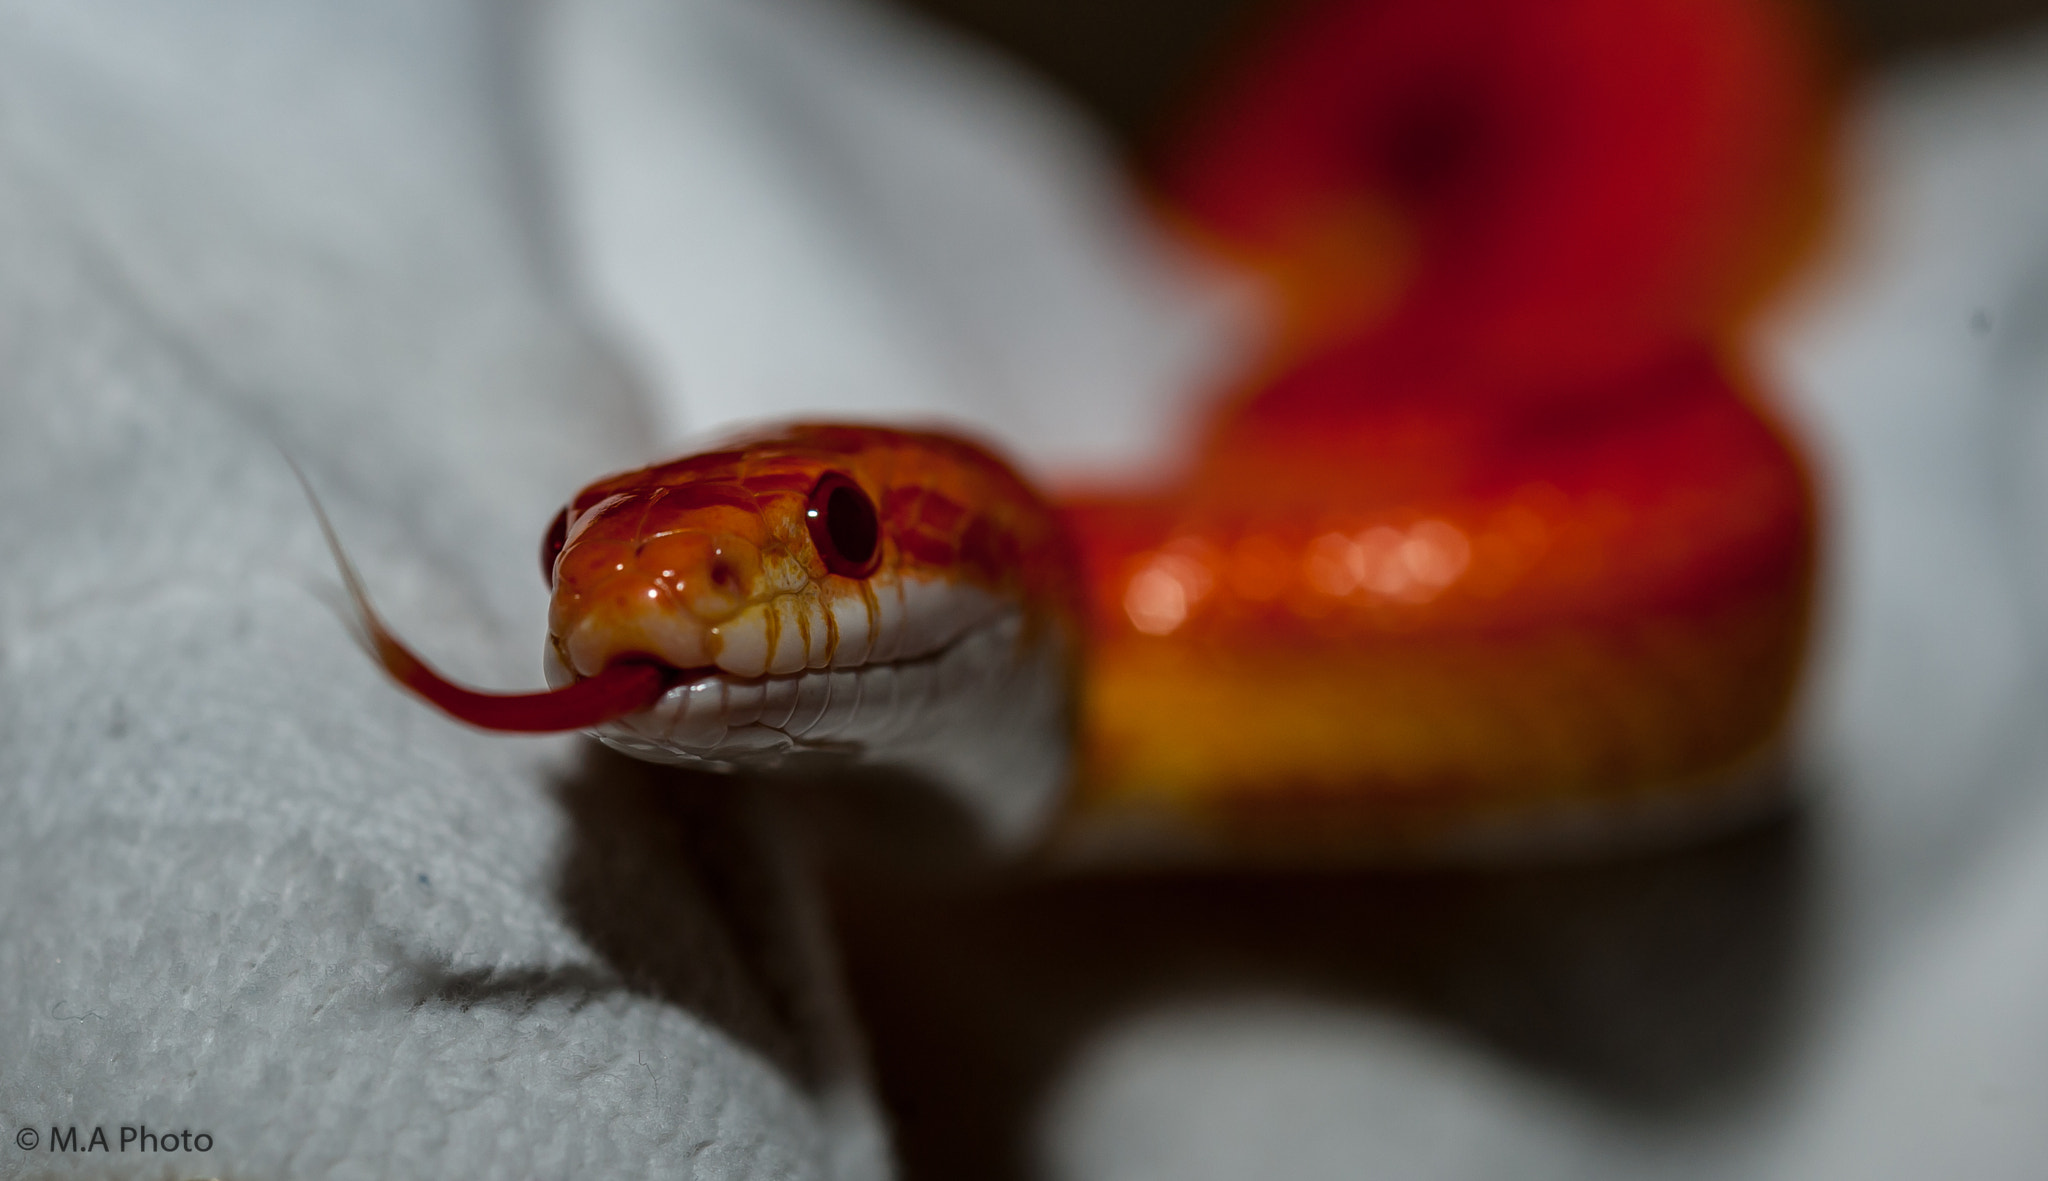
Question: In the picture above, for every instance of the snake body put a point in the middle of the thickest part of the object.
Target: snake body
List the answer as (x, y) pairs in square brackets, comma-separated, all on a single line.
[(1583, 626)]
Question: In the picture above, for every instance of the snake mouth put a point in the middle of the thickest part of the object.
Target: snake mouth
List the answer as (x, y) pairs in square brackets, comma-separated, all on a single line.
[(709, 716)]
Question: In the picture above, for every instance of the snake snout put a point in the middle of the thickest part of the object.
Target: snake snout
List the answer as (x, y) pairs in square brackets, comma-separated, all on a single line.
[(662, 597)]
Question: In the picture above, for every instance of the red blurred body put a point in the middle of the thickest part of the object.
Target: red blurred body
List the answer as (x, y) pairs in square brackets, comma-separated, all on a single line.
[(1517, 186), (1489, 533)]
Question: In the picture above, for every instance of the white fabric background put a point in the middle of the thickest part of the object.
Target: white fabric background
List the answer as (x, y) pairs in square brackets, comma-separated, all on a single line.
[(460, 257), (804, 207)]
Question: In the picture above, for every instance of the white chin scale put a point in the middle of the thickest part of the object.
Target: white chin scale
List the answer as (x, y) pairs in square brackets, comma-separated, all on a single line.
[(986, 717)]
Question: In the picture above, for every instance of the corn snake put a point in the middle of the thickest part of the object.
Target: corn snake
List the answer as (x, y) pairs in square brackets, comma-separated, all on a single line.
[(1386, 679)]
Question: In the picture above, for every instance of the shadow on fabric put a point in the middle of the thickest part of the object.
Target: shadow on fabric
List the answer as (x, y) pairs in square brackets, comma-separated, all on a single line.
[(1658, 985), (687, 893)]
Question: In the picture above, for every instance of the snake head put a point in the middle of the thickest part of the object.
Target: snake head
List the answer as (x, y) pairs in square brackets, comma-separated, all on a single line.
[(807, 548), (899, 594)]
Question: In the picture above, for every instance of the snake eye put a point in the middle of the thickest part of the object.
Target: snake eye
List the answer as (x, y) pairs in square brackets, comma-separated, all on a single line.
[(844, 526), (551, 546)]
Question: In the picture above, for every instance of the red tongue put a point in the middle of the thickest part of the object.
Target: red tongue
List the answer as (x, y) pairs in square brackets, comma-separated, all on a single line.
[(628, 686), (624, 688)]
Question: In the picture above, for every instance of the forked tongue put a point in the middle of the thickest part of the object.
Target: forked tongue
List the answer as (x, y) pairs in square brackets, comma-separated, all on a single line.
[(625, 687)]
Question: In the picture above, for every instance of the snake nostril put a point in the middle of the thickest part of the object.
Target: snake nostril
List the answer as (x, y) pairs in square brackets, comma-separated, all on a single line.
[(724, 577)]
